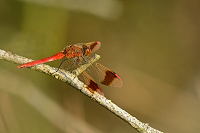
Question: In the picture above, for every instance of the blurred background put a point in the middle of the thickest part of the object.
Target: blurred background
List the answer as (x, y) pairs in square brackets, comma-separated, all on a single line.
[(152, 45)]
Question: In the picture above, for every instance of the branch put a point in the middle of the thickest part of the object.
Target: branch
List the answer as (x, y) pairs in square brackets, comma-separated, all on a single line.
[(72, 80)]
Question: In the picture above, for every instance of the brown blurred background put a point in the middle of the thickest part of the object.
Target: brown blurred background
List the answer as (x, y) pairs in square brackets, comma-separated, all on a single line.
[(153, 46)]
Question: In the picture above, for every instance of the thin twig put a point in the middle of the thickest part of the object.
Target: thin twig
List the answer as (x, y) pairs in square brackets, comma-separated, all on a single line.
[(72, 80)]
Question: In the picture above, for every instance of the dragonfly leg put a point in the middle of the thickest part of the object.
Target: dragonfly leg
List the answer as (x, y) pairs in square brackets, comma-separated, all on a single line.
[(85, 59), (63, 74), (71, 69), (60, 65)]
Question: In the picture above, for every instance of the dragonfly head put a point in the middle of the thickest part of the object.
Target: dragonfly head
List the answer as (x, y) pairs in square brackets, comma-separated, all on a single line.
[(86, 50), (91, 47)]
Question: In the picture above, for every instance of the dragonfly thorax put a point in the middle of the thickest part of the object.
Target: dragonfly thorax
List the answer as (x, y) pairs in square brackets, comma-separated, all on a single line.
[(73, 51)]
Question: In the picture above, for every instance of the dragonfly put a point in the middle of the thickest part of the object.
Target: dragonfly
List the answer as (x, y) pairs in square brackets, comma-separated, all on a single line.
[(78, 55)]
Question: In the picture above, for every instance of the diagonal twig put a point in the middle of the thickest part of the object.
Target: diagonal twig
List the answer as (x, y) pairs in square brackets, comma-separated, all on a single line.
[(72, 80)]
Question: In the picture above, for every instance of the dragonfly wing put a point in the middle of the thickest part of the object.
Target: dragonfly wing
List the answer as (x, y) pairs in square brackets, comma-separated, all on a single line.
[(92, 86), (107, 76), (69, 64)]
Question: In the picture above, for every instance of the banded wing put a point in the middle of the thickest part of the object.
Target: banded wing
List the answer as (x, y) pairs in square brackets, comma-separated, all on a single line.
[(107, 76), (85, 76), (100, 73), (92, 86)]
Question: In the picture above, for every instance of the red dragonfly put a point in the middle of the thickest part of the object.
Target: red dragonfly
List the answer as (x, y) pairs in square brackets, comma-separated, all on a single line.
[(78, 53)]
